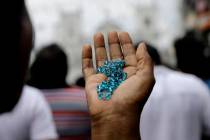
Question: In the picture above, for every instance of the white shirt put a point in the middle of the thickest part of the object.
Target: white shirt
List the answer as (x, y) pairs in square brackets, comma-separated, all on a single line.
[(30, 119), (178, 108)]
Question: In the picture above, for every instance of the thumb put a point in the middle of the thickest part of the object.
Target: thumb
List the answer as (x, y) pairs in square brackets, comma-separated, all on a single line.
[(144, 60)]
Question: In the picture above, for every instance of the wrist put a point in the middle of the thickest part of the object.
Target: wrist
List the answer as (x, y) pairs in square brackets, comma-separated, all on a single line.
[(110, 125)]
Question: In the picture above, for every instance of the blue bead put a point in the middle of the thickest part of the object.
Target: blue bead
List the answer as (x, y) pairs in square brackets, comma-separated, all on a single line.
[(108, 98), (113, 70)]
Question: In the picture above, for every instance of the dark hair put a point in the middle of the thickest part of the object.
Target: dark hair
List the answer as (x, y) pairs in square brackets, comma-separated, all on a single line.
[(49, 69), (11, 75), (80, 82), (190, 55)]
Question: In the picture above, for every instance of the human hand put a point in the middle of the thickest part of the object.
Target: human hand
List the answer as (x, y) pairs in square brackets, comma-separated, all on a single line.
[(121, 113)]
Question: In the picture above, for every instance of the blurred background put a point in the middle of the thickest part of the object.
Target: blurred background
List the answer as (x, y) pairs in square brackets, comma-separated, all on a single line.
[(71, 23)]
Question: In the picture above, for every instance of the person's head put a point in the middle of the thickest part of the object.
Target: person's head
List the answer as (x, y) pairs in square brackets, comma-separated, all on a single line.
[(190, 56), (16, 43), (49, 69)]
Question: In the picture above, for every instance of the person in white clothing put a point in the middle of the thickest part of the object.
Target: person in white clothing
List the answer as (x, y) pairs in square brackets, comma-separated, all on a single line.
[(30, 119), (178, 107), (24, 114)]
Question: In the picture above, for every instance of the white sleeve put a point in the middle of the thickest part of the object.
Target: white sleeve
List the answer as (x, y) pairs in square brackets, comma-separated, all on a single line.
[(206, 110), (42, 125)]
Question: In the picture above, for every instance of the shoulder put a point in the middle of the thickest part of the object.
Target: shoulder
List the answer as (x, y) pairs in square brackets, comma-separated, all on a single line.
[(75, 89), (42, 125), (32, 93), (33, 97), (64, 94), (190, 84), (63, 91), (189, 80), (179, 82)]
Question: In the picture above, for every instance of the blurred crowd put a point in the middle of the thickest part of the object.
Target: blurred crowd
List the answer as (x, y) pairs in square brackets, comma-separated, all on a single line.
[(178, 108)]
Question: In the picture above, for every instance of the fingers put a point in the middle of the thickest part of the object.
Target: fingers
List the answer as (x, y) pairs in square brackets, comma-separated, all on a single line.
[(144, 60), (114, 46), (128, 49), (100, 50), (145, 68), (87, 63), (115, 43)]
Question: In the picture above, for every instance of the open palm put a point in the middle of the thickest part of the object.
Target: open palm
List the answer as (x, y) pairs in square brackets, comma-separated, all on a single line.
[(135, 90)]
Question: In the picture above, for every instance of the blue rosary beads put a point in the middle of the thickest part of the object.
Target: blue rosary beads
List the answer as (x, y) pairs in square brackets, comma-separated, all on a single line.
[(113, 70)]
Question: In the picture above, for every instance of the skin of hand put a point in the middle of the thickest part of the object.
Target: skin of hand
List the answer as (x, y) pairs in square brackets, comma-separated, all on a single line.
[(119, 117)]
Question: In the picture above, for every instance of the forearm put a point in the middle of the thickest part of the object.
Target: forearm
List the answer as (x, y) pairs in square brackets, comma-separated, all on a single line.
[(116, 127)]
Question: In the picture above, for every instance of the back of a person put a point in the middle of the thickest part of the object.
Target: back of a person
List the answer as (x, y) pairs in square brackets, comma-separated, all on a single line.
[(177, 108), (70, 112), (30, 119)]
